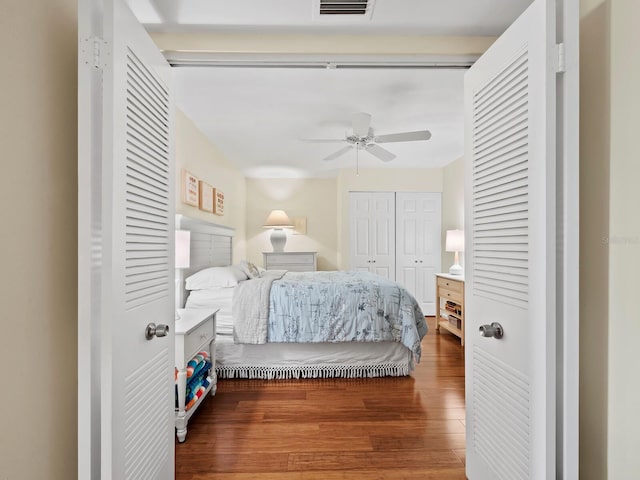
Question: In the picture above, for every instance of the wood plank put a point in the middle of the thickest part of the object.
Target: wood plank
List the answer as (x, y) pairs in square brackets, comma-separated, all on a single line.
[(390, 428)]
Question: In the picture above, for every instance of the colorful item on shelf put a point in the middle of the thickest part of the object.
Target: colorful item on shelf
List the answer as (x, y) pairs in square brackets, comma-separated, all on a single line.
[(195, 361), (198, 393), (199, 367)]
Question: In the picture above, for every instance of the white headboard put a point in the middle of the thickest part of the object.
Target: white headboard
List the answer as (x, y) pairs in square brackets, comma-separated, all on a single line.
[(211, 246)]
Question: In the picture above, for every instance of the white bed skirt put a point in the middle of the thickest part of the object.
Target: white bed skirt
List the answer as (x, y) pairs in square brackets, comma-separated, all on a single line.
[(311, 360)]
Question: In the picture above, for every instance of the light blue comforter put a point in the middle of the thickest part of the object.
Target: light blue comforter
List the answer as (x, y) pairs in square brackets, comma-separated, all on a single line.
[(343, 307)]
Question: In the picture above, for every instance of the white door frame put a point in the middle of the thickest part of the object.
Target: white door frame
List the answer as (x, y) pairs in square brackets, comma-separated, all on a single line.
[(568, 301), (568, 281)]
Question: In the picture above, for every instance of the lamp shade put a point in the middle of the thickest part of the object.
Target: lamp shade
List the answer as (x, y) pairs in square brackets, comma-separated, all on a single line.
[(454, 241), (183, 248), (278, 219)]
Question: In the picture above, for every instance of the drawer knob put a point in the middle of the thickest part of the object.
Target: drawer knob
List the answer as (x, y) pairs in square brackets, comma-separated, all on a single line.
[(154, 330)]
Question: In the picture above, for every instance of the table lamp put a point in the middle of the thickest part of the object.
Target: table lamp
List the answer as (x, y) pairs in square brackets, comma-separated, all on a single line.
[(182, 260), (277, 220), (455, 243)]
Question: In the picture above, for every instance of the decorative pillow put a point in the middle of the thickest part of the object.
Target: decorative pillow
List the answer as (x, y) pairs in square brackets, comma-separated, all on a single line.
[(215, 277), (250, 269)]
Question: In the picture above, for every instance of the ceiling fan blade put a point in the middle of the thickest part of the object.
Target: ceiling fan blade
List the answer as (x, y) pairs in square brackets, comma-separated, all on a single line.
[(361, 122), (322, 140), (381, 153), (337, 154), (404, 137)]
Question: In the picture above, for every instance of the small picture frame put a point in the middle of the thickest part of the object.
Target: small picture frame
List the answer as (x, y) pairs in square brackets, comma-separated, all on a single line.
[(190, 189), (206, 197), (299, 225), (218, 202)]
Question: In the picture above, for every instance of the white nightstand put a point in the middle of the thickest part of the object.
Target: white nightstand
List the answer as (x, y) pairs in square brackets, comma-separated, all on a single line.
[(195, 331), (293, 261)]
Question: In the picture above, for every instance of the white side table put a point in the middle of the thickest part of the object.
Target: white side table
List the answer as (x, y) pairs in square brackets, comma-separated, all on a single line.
[(195, 332)]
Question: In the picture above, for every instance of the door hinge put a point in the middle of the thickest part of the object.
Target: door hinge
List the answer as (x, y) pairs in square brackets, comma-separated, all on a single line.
[(95, 52), (561, 65)]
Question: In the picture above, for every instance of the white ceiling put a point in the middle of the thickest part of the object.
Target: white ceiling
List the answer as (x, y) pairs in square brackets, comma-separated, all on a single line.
[(258, 117), (425, 17)]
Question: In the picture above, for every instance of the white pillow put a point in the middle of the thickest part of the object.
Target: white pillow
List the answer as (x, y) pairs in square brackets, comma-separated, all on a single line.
[(249, 269), (215, 277)]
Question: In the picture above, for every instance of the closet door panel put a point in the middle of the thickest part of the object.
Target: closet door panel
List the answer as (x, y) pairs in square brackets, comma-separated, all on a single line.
[(418, 227), (372, 232)]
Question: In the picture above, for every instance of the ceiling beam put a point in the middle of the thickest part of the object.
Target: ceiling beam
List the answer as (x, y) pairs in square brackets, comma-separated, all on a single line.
[(267, 60), (316, 44)]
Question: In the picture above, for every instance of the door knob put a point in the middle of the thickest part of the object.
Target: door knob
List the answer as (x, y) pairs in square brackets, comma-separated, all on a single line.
[(494, 330), (154, 330)]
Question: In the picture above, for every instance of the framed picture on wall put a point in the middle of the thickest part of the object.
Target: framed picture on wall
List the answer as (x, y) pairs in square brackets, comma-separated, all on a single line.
[(206, 197), (190, 189), (218, 199), (299, 225)]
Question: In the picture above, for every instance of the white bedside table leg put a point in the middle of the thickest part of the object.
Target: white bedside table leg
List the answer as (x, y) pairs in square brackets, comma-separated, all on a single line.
[(181, 421), (213, 375)]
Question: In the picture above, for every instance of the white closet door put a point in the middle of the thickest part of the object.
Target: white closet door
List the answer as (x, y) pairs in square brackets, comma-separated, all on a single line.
[(372, 232), (418, 233), (126, 242), (510, 252)]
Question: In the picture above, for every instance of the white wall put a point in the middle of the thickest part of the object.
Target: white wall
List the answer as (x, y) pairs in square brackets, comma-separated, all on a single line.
[(452, 206), (624, 244), (196, 154), (313, 198), (378, 180), (609, 240), (594, 226), (38, 240)]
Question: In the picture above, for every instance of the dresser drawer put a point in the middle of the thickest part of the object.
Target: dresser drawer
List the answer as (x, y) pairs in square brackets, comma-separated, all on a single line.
[(290, 259), (452, 285), (450, 294), (198, 338), (293, 261)]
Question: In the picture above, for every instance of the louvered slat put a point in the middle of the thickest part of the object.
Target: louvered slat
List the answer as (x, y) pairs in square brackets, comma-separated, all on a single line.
[(499, 388), (147, 188), (147, 389), (500, 186)]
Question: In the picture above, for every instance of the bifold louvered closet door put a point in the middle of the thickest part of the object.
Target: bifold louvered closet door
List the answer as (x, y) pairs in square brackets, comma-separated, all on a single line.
[(138, 224), (510, 157)]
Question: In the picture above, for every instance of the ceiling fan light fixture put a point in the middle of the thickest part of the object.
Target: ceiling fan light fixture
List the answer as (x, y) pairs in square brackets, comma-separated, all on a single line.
[(363, 138)]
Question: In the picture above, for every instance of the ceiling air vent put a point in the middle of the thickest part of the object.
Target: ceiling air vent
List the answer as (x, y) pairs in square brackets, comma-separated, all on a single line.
[(343, 7)]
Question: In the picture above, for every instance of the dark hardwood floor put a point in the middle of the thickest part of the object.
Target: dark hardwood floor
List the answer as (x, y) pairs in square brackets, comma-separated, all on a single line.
[(388, 428)]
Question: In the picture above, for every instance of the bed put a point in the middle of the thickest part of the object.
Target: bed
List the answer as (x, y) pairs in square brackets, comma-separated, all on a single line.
[(308, 337)]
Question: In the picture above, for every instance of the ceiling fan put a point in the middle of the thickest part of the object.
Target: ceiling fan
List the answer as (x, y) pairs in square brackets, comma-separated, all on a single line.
[(364, 138)]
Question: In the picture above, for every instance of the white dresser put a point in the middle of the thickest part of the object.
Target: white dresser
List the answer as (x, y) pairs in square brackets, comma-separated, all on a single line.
[(195, 332), (293, 261)]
